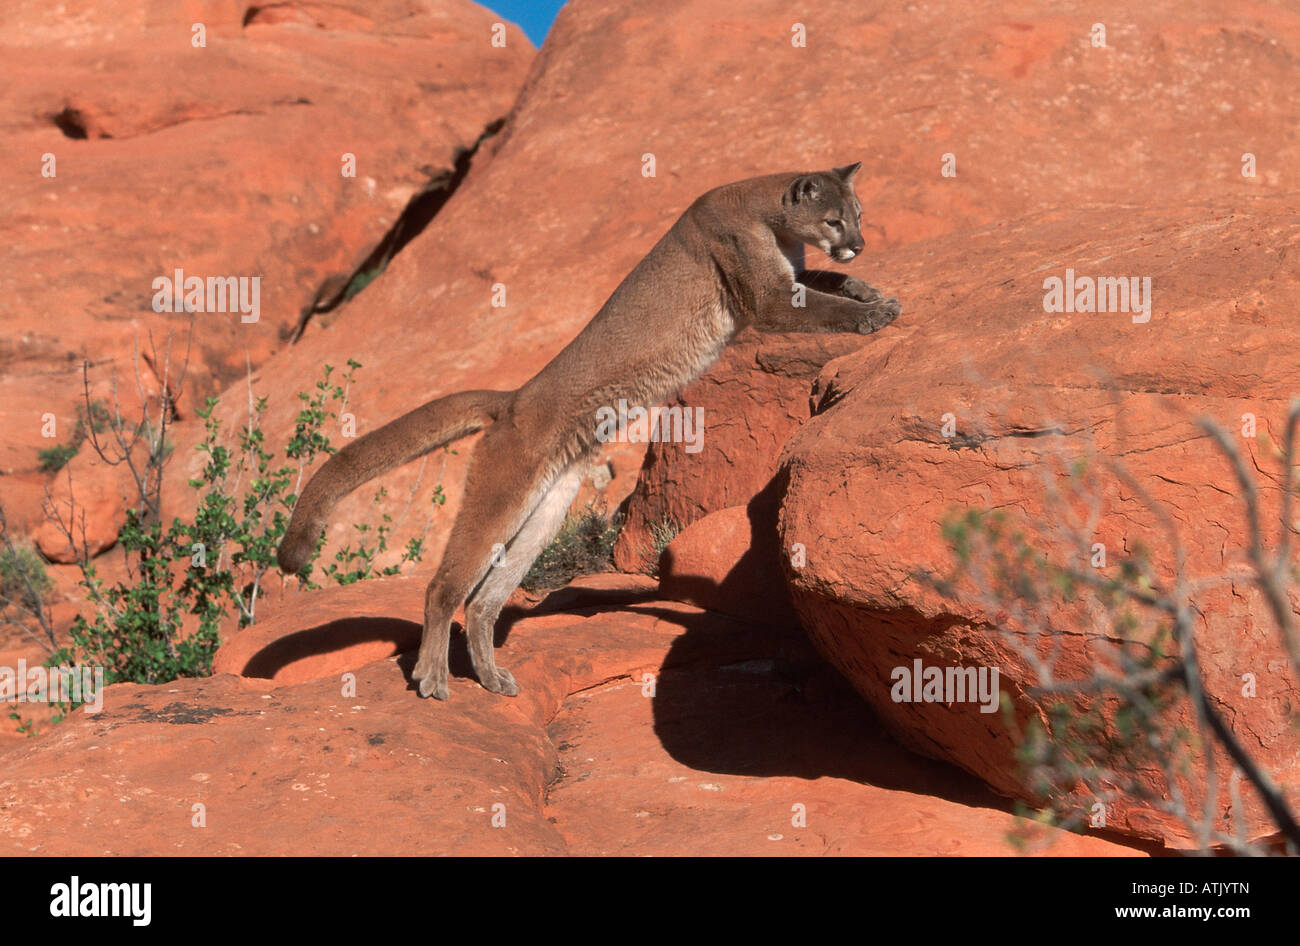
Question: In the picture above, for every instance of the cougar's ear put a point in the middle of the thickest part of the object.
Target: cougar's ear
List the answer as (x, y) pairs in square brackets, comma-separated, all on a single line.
[(804, 187), (846, 173)]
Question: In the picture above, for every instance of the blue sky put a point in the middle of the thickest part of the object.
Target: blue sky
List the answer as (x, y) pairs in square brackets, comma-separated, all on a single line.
[(534, 16)]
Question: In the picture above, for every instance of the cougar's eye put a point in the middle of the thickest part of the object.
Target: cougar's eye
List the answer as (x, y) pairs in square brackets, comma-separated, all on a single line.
[(834, 223)]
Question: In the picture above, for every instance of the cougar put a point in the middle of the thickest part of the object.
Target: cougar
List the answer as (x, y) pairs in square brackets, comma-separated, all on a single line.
[(734, 259)]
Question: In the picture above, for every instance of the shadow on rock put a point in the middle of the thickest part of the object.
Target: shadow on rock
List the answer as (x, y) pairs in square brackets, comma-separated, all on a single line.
[(326, 639)]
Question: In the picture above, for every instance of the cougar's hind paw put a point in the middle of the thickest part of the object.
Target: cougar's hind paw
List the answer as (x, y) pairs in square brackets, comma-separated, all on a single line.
[(431, 686), (503, 684)]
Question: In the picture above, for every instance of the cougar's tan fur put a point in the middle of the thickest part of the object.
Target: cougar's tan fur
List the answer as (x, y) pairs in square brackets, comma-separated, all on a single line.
[(733, 259)]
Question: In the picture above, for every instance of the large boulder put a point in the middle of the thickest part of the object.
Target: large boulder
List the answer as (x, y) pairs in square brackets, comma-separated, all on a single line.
[(978, 399), (83, 510), (133, 153), (730, 561), (752, 400)]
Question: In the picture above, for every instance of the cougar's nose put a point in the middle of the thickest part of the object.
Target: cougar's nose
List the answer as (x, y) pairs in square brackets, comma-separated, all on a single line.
[(856, 247)]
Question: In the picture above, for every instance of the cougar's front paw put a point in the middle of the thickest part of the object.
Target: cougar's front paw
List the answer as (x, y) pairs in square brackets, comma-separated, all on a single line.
[(857, 289), (504, 683), (880, 314)]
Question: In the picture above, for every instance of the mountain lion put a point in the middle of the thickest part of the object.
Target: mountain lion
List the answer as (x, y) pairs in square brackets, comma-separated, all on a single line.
[(734, 259)]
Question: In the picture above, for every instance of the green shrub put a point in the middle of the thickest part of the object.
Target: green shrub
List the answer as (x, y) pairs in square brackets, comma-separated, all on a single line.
[(56, 457), (584, 545), (187, 578)]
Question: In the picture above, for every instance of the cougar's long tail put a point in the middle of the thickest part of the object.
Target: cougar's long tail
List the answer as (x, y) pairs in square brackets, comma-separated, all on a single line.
[(431, 425)]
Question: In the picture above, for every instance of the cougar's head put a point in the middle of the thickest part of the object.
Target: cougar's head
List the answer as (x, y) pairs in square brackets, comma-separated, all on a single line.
[(822, 211)]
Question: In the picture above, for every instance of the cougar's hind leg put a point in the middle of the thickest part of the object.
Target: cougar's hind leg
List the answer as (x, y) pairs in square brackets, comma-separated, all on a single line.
[(505, 573), (503, 485)]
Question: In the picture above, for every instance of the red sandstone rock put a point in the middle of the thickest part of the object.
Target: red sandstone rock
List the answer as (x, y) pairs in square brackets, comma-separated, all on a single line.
[(871, 477), (729, 561), (1041, 125), (1039, 119), (754, 398), (91, 498), (743, 755), (221, 161), (744, 724), (1046, 168)]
